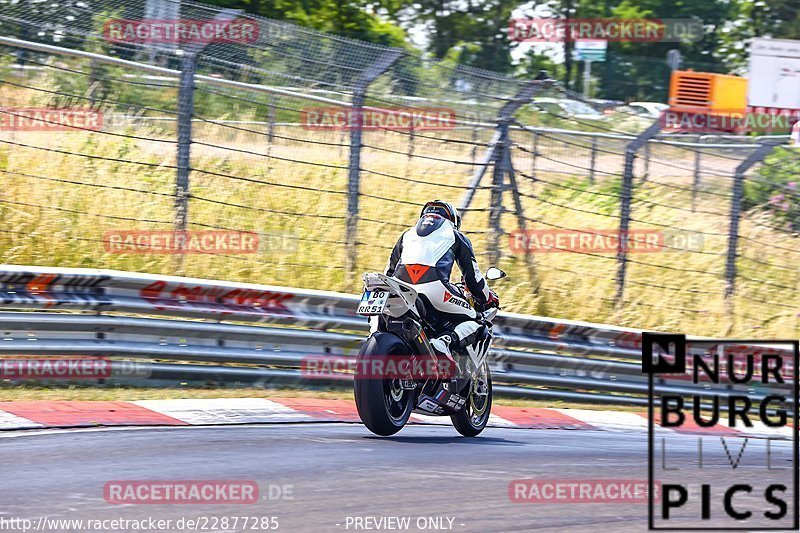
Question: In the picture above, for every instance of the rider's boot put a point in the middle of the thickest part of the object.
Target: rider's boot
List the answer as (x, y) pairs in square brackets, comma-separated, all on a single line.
[(442, 346)]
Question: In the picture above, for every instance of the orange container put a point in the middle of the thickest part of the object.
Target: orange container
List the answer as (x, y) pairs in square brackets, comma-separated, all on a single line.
[(706, 92)]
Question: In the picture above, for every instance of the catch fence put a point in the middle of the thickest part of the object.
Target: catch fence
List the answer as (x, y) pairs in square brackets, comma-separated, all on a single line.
[(244, 137)]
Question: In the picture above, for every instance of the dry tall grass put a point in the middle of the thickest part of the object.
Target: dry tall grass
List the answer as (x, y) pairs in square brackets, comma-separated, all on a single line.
[(56, 207)]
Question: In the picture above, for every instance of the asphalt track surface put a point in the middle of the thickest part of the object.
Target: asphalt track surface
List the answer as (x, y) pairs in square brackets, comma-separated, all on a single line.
[(338, 471)]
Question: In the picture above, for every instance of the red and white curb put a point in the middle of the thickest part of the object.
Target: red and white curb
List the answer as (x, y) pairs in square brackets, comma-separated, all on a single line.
[(19, 415)]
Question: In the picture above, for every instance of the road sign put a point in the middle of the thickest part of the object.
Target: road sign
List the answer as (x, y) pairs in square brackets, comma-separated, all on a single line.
[(774, 78), (590, 50)]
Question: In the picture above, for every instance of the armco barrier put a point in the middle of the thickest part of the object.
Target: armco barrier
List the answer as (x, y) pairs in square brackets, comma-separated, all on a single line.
[(162, 329)]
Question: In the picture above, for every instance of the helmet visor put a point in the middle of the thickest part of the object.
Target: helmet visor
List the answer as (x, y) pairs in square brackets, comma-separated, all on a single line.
[(439, 208)]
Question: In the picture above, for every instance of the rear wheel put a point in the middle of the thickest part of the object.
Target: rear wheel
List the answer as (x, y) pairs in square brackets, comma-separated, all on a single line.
[(383, 405), (471, 420)]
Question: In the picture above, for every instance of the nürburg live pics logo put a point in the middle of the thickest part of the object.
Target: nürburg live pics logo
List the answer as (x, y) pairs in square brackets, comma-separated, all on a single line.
[(722, 433)]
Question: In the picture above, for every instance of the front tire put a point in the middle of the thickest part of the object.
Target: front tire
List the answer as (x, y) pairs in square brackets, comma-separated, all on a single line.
[(383, 406), (471, 420)]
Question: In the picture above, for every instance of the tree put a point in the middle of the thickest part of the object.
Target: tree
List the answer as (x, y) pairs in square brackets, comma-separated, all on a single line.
[(475, 29), (355, 19)]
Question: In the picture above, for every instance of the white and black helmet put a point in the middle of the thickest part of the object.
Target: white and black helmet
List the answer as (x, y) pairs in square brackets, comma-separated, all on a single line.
[(445, 209)]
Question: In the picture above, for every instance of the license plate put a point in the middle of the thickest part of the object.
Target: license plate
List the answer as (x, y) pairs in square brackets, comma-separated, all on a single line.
[(373, 302)]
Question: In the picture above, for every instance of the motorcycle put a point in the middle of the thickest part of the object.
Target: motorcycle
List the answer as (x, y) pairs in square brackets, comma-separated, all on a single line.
[(412, 377)]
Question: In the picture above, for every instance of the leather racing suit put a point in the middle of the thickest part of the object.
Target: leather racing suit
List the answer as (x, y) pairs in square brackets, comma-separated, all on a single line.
[(424, 257)]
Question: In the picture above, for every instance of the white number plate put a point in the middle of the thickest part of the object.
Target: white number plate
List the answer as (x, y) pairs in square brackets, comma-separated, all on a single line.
[(373, 302)]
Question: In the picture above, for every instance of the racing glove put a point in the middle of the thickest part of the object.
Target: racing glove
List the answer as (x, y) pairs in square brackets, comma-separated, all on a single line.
[(493, 300)]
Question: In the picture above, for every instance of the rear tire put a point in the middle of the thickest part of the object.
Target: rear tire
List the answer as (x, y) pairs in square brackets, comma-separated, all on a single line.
[(471, 420), (383, 407)]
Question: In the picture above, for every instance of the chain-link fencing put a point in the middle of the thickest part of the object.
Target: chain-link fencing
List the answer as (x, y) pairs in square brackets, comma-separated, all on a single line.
[(297, 158)]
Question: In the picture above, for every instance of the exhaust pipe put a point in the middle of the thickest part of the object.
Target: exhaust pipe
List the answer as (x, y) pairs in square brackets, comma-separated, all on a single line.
[(411, 329)]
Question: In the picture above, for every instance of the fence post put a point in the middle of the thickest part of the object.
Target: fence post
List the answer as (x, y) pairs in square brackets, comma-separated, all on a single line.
[(410, 150), (271, 119), (499, 154), (369, 75), (185, 113), (504, 119), (477, 175), (496, 198), (270, 131), (184, 123), (625, 206), (736, 209), (534, 153), (494, 153), (473, 153), (696, 181), (593, 159), (508, 166)]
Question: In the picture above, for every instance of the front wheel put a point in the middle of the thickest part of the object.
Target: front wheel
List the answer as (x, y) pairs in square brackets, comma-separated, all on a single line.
[(471, 420), (383, 405)]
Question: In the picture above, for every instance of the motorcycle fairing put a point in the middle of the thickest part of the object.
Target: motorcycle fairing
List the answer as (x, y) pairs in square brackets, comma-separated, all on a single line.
[(403, 296)]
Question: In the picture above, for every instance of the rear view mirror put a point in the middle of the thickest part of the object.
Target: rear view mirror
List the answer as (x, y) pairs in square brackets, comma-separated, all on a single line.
[(494, 273)]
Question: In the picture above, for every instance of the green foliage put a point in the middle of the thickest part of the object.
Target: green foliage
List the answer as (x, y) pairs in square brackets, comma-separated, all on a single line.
[(535, 61), (352, 18), (638, 70), (475, 33), (775, 188)]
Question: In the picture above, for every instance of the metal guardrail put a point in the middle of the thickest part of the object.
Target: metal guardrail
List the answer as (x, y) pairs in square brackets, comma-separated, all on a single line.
[(196, 330)]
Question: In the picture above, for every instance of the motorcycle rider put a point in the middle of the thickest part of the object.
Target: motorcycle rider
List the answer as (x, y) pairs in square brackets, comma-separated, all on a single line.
[(424, 257)]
